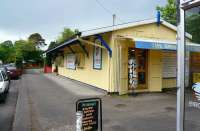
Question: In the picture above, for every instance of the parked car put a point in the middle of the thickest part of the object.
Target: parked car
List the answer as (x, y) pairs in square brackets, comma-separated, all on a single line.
[(3, 68), (14, 73), (4, 85)]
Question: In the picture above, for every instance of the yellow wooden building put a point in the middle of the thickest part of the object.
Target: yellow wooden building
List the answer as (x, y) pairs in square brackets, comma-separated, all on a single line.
[(131, 57)]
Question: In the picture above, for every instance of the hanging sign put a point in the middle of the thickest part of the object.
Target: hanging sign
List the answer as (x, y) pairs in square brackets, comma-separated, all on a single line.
[(91, 114)]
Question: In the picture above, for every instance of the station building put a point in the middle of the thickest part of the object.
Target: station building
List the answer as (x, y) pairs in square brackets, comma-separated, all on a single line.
[(126, 58)]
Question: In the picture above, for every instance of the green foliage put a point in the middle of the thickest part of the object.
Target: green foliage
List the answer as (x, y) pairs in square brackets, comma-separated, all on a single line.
[(48, 60), (168, 12), (7, 52), (20, 47), (36, 40), (66, 34), (52, 45), (193, 27), (26, 51)]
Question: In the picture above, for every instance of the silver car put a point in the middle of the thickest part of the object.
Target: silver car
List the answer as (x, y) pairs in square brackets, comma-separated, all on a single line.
[(4, 85)]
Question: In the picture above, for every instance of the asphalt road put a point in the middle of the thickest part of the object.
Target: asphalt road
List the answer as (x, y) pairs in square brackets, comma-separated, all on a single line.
[(51, 107), (7, 108)]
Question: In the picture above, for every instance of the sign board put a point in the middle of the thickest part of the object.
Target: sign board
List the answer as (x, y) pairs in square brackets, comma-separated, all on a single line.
[(194, 101), (155, 45), (92, 114), (71, 61)]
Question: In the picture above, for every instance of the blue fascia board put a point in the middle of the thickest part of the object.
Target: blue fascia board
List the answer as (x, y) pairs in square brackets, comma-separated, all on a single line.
[(164, 46), (104, 43), (155, 45), (62, 45)]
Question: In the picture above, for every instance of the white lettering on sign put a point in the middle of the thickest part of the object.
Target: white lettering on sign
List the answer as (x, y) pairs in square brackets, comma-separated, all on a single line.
[(172, 47), (157, 46), (194, 104), (79, 118), (164, 46)]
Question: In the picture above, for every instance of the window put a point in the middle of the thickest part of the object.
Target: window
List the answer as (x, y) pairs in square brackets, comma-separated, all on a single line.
[(97, 55), (5, 77), (71, 61)]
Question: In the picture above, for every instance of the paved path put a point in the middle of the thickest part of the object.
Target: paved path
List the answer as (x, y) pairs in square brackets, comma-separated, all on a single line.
[(7, 109), (74, 87), (52, 108)]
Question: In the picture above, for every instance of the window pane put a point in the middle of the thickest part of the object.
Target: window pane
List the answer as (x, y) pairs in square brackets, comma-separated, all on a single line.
[(192, 71)]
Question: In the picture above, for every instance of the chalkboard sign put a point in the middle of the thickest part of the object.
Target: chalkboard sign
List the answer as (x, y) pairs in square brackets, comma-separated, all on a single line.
[(92, 114)]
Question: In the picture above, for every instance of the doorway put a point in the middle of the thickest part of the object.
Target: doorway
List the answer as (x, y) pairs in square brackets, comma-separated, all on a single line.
[(137, 69)]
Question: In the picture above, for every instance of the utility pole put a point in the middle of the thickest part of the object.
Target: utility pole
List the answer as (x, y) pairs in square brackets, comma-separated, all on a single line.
[(180, 67), (114, 19), (182, 6)]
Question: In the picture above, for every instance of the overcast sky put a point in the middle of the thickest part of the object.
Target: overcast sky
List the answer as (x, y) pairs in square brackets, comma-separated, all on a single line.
[(20, 18)]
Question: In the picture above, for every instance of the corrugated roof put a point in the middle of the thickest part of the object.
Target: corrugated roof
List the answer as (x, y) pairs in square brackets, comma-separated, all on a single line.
[(117, 27), (128, 25)]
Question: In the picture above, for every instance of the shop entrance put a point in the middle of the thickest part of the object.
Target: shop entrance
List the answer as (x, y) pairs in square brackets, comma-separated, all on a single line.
[(137, 69)]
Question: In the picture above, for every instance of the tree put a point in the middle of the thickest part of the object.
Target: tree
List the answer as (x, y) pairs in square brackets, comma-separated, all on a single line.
[(193, 27), (168, 12), (36, 40), (7, 52), (52, 45), (65, 35), (26, 51), (20, 46)]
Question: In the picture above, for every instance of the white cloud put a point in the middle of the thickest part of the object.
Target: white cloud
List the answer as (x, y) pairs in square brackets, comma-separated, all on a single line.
[(8, 36), (49, 17)]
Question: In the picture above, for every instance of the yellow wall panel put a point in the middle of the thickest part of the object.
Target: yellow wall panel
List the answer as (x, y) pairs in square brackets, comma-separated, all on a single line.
[(88, 75), (149, 31), (110, 78), (169, 83), (155, 70)]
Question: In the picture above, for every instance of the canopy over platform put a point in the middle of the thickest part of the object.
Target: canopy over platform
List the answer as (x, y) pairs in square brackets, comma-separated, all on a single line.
[(80, 41), (162, 45)]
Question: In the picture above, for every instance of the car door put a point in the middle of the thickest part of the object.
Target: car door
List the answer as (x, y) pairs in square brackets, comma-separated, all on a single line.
[(1, 81)]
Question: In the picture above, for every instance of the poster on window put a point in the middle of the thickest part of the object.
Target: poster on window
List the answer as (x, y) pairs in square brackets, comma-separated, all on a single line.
[(71, 61), (97, 56)]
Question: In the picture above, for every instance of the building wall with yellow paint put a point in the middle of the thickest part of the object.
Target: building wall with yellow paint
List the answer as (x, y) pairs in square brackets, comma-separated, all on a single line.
[(86, 74), (113, 77), (149, 31)]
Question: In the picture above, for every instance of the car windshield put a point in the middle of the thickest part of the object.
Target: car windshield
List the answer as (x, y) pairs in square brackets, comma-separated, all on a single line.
[(11, 68)]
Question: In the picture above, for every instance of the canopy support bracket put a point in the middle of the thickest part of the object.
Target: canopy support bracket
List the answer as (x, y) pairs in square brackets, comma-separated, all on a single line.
[(105, 44), (83, 48), (70, 48)]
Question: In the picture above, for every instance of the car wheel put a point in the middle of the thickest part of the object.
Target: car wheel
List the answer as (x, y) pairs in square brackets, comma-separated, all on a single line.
[(7, 91), (3, 98)]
